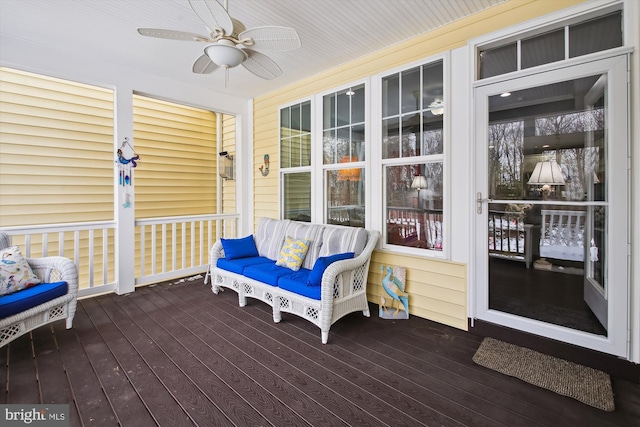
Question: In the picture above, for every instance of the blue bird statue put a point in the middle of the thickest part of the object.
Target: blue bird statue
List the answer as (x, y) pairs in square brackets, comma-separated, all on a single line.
[(395, 288)]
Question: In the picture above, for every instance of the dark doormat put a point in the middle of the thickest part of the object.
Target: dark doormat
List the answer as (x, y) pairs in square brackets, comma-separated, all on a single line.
[(582, 383)]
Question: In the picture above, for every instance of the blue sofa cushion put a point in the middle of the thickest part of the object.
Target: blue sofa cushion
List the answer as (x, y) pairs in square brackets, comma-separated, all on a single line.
[(238, 265), (25, 299), (244, 247), (297, 283), (267, 273), (321, 264)]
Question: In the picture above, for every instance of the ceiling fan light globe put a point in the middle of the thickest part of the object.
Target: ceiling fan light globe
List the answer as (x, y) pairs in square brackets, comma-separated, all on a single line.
[(225, 56)]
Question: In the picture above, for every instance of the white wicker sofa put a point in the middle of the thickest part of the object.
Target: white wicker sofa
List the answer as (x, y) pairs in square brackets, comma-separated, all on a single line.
[(41, 303), (343, 285)]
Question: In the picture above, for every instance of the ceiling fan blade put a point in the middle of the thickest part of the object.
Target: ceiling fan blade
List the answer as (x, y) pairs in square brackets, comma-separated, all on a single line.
[(172, 34), (204, 65), (272, 38), (261, 65), (213, 15)]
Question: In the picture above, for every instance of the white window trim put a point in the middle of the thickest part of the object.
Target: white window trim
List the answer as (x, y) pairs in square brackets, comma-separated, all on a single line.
[(283, 171), (541, 25), (378, 197), (318, 184)]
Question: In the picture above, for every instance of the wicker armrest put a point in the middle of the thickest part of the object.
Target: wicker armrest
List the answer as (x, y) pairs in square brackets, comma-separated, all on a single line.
[(56, 268), (347, 265), (216, 253)]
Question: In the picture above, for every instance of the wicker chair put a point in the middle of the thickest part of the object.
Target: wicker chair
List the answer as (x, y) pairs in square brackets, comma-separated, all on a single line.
[(48, 269)]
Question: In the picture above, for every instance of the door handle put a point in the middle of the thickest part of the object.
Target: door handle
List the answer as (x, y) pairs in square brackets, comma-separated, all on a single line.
[(479, 202)]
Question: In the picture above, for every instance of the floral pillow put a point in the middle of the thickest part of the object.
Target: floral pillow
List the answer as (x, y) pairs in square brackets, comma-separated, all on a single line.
[(15, 272), (293, 252)]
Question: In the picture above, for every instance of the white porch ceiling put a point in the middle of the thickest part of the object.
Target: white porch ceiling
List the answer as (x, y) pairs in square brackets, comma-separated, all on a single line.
[(332, 32)]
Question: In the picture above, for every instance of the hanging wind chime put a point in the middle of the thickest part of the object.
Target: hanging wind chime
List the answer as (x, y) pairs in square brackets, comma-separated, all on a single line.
[(125, 170)]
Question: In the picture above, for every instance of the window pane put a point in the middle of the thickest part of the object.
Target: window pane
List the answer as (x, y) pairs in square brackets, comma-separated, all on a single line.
[(542, 49), (499, 60), (557, 155), (411, 90), (391, 138), (357, 142), (295, 118), (285, 153), (432, 135), (432, 84), (357, 104), (305, 146), (410, 135), (329, 144), (343, 144), (414, 205), (297, 197), (285, 122), (391, 94), (345, 197), (329, 111), (596, 35), (306, 117), (344, 113)]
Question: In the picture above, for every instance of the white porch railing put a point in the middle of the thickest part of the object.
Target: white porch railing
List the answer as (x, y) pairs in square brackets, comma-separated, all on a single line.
[(90, 245), (178, 246), (174, 247)]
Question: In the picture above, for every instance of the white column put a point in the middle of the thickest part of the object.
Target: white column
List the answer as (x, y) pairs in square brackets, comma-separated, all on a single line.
[(124, 195)]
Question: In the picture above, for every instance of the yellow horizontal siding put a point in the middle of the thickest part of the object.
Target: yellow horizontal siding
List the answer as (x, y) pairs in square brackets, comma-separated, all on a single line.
[(436, 288), (177, 146), (56, 150)]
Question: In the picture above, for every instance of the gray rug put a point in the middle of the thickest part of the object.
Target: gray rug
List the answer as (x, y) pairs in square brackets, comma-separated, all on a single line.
[(584, 384)]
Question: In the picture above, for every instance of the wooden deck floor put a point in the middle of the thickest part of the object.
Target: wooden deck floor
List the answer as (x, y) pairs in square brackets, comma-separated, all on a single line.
[(177, 355)]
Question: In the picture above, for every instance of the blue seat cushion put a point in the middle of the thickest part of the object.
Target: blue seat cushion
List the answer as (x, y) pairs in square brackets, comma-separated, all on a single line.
[(238, 265), (267, 273), (297, 283), (25, 299)]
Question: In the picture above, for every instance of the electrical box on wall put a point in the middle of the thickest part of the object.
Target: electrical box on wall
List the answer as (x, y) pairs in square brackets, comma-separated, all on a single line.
[(226, 165)]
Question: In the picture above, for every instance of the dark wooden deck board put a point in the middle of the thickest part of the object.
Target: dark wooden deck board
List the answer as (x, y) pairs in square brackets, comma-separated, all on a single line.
[(356, 385), (88, 393), (174, 355), (21, 372), (236, 389), (276, 381), (122, 396)]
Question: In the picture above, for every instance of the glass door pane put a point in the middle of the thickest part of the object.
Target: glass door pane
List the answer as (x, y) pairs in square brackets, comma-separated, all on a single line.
[(541, 160)]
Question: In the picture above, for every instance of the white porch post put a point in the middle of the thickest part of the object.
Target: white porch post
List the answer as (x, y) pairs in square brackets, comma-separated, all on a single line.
[(124, 195)]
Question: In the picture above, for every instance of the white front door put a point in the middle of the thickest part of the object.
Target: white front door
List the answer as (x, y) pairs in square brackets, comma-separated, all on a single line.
[(551, 223)]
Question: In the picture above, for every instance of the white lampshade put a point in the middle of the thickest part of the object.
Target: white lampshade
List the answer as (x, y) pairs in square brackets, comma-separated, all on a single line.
[(547, 172), (225, 56), (419, 182)]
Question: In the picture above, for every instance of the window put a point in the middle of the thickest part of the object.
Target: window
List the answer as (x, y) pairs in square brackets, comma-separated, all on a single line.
[(343, 155), (413, 107), (585, 37), (295, 161)]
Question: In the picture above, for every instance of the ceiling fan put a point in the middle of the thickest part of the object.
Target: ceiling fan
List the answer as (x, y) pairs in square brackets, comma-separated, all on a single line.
[(229, 43)]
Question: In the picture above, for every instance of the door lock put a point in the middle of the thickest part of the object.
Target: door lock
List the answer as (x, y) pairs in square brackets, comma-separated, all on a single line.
[(479, 202)]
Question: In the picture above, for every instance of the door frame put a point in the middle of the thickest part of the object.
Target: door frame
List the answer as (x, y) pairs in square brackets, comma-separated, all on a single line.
[(616, 341)]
